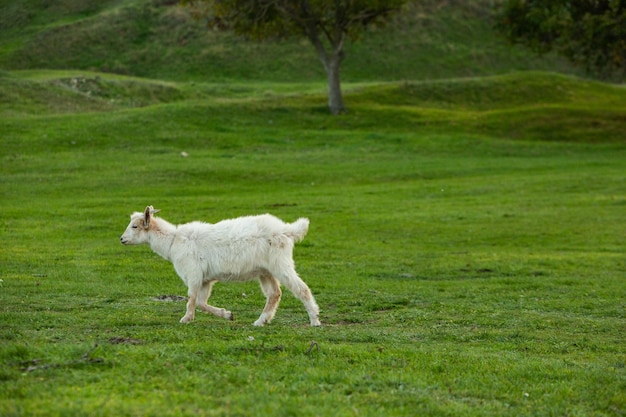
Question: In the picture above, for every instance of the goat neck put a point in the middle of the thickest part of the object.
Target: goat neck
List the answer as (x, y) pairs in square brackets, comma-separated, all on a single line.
[(161, 236)]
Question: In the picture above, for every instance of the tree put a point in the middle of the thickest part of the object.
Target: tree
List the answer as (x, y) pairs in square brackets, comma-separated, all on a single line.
[(327, 24), (590, 33)]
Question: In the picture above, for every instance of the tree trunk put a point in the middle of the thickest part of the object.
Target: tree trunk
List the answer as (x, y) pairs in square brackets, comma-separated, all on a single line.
[(331, 59), (335, 97)]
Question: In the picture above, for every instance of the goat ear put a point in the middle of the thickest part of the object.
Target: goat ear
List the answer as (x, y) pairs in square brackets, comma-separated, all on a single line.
[(146, 217), (155, 211)]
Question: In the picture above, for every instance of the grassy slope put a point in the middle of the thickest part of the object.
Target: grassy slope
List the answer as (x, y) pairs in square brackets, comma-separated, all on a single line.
[(523, 105), (156, 40)]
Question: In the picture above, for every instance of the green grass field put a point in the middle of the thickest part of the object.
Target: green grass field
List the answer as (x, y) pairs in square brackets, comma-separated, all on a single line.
[(467, 239), (467, 257)]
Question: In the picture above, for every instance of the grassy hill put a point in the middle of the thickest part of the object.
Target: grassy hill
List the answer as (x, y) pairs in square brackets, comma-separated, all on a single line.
[(159, 39), (525, 105)]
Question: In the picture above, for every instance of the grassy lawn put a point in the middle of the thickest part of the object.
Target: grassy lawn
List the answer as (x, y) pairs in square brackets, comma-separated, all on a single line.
[(467, 254)]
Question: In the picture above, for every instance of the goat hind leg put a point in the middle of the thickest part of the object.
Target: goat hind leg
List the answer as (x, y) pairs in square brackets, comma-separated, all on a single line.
[(271, 289), (290, 279)]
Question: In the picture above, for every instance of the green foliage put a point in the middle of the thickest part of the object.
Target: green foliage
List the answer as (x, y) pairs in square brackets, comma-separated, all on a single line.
[(463, 267), (313, 18), (589, 33)]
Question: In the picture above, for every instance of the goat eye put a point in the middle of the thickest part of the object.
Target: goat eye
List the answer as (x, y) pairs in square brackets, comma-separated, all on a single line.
[(134, 226)]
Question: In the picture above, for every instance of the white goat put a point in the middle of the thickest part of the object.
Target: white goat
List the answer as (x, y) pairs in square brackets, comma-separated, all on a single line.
[(242, 249)]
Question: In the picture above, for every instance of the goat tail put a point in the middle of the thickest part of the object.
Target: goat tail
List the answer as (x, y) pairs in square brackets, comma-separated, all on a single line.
[(298, 229)]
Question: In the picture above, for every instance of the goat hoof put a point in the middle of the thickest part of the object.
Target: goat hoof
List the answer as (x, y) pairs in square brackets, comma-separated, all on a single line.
[(229, 316), (186, 319), (315, 323)]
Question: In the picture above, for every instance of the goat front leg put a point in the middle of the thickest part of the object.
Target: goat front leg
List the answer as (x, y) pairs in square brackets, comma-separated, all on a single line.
[(191, 309), (202, 302), (194, 289)]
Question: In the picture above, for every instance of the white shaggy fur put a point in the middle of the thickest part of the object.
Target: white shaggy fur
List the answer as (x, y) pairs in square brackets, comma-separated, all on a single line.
[(242, 249)]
